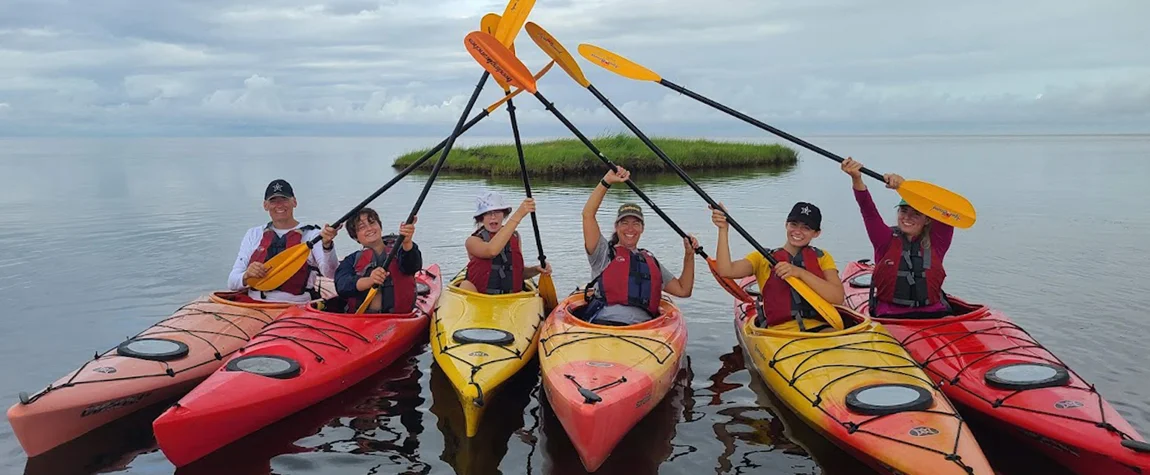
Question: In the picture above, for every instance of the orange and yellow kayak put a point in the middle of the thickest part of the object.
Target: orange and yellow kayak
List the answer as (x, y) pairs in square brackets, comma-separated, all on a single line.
[(601, 380), (860, 389)]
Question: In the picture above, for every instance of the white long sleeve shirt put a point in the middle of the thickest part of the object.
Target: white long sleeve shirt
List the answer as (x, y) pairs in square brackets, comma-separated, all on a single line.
[(325, 261)]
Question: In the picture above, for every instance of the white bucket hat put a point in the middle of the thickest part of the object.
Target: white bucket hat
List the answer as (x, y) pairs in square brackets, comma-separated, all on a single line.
[(490, 201)]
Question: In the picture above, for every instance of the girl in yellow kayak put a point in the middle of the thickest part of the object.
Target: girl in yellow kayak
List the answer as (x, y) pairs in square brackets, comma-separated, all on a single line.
[(797, 258), (628, 282), (494, 251), (908, 272)]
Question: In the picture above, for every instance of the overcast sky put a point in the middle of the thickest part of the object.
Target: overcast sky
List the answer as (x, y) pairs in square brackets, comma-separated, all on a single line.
[(398, 67)]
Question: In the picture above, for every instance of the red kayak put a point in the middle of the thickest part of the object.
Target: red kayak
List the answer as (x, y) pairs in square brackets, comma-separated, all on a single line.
[(305, 356), (991, 367)]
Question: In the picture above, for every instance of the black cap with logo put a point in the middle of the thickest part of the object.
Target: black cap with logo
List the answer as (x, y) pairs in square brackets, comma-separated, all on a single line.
[(278, 187), (807, 214)]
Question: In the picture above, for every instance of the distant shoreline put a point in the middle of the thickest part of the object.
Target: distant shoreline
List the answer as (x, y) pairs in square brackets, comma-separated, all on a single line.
[(569, 157)]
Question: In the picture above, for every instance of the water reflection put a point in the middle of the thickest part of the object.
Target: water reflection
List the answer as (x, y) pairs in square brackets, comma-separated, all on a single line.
[(505, 417)]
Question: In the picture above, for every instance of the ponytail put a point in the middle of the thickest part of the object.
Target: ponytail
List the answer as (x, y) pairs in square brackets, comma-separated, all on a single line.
[(614, 240), (925, 239)]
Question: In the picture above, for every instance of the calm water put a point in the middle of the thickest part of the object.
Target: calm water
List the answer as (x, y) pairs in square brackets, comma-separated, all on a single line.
[(104, 237)]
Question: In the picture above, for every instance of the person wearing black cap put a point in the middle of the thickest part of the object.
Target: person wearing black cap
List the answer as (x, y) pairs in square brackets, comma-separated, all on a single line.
[(628, 282), (797, 258), (908, 272), (262, 243)]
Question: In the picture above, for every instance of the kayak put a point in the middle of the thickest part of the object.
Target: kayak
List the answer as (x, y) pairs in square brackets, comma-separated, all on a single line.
[(861, 390), (601, 380), (992, 368), (305, 356), (480, 340), (158, 364)]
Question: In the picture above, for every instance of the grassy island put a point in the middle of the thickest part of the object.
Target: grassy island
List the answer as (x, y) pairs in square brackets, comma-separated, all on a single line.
[(569, 157)]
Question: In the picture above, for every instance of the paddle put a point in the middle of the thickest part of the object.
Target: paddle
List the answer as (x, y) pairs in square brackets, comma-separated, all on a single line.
[(555, 50), (470, 43), (285, 264), (932, 200), (503, 63), (490, 24)]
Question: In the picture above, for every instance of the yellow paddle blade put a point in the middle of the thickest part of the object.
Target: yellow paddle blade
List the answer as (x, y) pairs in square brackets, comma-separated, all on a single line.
[(490, 25), (547, 291), (617, 64), (512, 21), (367, 301), (498, 60), (825, 309), (495, 105), (557, 52), (281, 267), (939, 203), (727, 284)]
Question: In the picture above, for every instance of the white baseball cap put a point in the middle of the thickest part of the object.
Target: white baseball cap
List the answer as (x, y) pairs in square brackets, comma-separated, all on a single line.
[(490, 201)]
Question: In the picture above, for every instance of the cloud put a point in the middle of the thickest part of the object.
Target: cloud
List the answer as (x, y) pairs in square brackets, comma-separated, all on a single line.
[(216, 67)]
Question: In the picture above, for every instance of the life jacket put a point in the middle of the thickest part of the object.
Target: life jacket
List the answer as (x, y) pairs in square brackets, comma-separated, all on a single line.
[(272, 244), (779, 302), (631, 278), (397, 292), (502, 274), (907, 276)]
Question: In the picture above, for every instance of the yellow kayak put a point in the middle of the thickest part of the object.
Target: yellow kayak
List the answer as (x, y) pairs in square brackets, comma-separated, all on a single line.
[(480, 340), (859, 388)]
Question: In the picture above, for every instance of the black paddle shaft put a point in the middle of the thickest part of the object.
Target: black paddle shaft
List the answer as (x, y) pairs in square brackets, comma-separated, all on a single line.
[(438, 164), (526, 179), (755, 122), (682, 174), (402, 173), (595, 150)]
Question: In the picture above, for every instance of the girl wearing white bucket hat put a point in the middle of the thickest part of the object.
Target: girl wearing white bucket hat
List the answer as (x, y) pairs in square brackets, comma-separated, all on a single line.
[(494, 251)]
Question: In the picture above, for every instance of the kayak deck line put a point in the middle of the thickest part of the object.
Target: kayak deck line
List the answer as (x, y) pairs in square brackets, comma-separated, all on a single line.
[(268, 334), (548, 351), (1024, 341), (167, 371)]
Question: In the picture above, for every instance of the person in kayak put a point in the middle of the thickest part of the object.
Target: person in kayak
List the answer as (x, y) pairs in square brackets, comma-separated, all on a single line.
[(361, 269), (262, 243), (778, 301), (908, 272), (495, 251), (628, 282)]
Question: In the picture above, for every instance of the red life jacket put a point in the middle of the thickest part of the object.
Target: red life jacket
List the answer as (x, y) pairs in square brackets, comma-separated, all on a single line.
[(272, 244), (906, 276), (780, 301), (632, 278), (397, 292), (502, 274)]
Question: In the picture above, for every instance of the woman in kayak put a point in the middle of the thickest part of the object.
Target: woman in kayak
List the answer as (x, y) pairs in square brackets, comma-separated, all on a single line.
[(361, 270), (627, 281), (908, 272), (494, 251), (797, 258)]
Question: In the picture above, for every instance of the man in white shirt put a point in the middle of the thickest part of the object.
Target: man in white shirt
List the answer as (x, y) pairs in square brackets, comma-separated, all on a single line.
[(261, 243)]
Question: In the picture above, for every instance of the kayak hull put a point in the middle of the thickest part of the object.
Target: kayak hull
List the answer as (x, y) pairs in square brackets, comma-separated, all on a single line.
[(478, 369), (602, 380), (1069, 422), (332, 351), (815, 373), (111, 386)]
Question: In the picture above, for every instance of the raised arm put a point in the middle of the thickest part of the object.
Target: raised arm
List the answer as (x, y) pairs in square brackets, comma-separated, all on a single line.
[(591, 231), (731, 270), (487, 250)]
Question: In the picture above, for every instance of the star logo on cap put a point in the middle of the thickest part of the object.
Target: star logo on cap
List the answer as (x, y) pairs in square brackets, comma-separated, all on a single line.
[(806, 210), (277, 187)]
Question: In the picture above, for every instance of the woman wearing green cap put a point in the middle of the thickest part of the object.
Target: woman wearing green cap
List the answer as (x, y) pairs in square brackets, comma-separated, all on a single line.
[(908, 272), (628, 281)]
